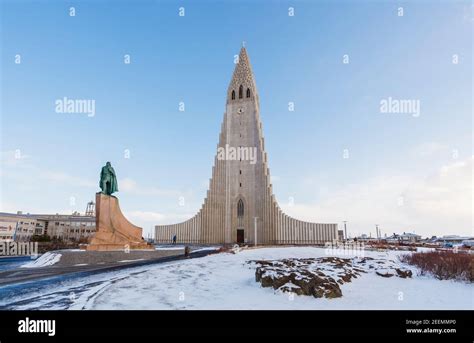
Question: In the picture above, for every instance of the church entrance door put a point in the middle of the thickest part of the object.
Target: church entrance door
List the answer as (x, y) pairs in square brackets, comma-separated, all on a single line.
[(240, 221), (240, 236)]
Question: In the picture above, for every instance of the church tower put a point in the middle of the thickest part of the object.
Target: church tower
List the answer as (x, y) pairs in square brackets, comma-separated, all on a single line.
[(240, 206), (247, 179)]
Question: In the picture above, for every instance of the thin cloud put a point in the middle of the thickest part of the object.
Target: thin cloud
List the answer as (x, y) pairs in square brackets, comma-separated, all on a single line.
[(435, 205), (128, 185)]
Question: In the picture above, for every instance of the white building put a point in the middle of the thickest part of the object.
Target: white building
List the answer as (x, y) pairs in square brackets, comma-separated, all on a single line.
[(73, 227), (7, 230), (25, 226), (405, 237), (21, 227)]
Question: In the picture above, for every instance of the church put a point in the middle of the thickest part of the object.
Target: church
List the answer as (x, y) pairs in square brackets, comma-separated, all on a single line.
[(240, 207)]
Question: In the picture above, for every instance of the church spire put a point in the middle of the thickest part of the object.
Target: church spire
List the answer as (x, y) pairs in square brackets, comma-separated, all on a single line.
[(243, 84)]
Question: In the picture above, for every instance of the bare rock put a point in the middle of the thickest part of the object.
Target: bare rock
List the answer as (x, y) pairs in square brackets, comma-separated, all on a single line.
[(403, 273), (266, 281), (386, 274), (312, 276), (332, 290)]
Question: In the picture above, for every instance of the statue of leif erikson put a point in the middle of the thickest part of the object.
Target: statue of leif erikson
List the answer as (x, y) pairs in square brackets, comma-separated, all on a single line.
[(108, 180)]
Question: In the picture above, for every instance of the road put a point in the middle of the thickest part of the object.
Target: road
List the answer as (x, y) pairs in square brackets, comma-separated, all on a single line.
[(22, 281)]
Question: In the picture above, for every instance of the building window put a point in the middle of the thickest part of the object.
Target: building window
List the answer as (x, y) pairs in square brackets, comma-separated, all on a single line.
[(240, 208), (248, 92), (240, 212), (233, 95), (241, 92)]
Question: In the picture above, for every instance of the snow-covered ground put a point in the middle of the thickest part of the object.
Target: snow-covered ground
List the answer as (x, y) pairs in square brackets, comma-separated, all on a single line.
[(169, 247), (227, 281), (47, 259)]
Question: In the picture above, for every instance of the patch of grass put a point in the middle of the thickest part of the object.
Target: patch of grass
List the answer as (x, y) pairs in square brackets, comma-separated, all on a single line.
[(444, 265)]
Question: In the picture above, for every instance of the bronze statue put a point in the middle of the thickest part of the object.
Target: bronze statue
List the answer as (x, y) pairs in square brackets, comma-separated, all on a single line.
[(108, 180)]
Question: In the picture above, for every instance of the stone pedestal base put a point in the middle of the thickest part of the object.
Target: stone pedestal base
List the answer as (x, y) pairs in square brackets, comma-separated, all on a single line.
[(113, 230)]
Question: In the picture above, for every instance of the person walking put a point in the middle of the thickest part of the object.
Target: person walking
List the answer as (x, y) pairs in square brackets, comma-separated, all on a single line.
[(174, 239)]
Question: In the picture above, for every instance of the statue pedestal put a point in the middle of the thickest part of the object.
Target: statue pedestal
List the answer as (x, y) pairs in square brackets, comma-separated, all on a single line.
[(113, 230)]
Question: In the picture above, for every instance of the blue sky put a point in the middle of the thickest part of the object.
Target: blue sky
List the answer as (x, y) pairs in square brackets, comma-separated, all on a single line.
[(404, 173)]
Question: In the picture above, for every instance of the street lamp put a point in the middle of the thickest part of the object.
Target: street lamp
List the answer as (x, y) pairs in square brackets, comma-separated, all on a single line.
[(255, 230), (345, 229)]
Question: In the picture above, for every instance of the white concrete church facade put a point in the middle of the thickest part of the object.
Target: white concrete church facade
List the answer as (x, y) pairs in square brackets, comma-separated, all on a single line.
[(240, 189)]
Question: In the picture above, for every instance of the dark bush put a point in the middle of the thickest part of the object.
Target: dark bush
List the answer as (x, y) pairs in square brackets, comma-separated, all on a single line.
[(443, 265), (40, 238)]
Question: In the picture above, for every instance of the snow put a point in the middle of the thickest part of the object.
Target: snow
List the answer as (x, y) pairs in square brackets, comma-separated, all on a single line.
[(206, 249), (169, 248), (47, 259), (227, 281), (290, 285), (124, 261), (174, 247), (424, 249)]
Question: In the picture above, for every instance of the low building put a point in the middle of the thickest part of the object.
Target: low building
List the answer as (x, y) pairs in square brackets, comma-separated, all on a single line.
[(25, 226), (364, 238), (468, 243), (21, 227), (405, 237), (453, 239), (7, 230), (73, 227)]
